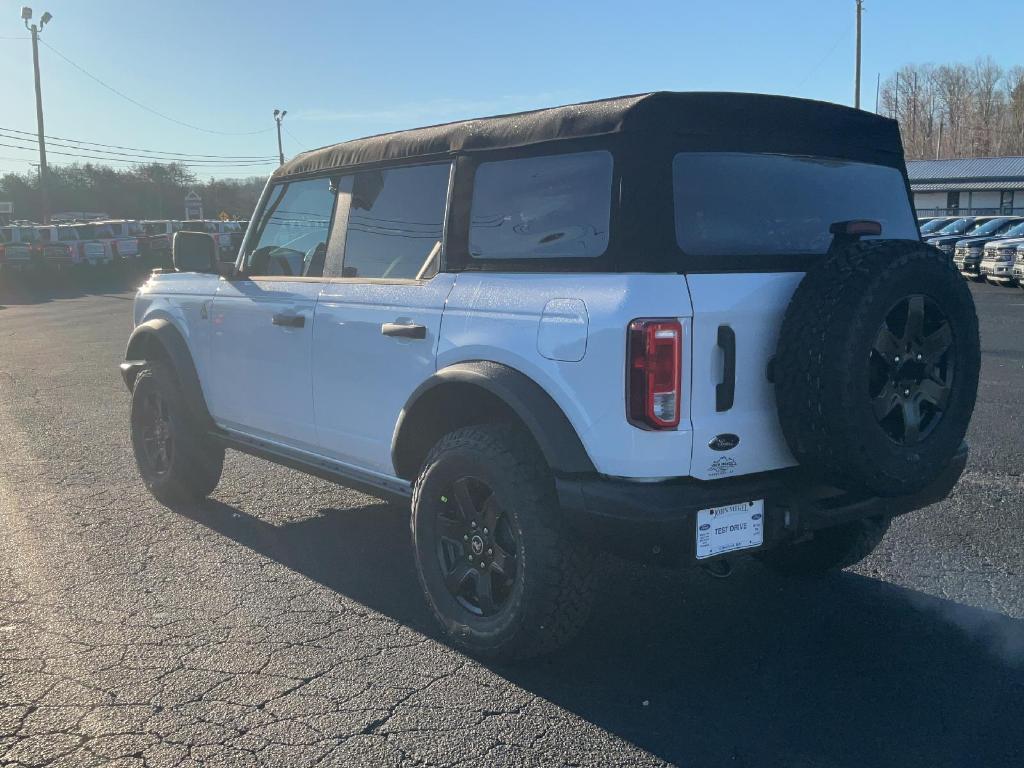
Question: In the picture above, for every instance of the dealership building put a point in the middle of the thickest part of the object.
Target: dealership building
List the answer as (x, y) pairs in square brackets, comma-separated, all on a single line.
[(975, 185)]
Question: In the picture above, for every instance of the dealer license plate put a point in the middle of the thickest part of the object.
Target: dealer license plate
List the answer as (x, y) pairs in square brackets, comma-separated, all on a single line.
[(729, 528)]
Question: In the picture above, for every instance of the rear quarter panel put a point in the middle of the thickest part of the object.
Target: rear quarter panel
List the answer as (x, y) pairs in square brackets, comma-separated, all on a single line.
[(498, 316)]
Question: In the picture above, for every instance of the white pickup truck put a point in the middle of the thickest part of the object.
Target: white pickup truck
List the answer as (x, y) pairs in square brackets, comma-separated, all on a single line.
[(549, 333)]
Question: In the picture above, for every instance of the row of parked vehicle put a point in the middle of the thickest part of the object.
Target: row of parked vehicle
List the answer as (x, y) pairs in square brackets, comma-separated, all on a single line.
[(27, 246), (982, 247)]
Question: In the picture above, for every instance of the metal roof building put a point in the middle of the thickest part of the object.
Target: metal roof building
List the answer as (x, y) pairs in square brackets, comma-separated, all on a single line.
[(968, 185)]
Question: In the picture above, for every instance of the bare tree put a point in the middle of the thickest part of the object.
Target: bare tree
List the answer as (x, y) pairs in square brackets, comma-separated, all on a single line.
[(956, 110)]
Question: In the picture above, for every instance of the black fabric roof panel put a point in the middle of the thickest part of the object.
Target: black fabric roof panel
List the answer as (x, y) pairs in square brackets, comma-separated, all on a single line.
[(698, 121)]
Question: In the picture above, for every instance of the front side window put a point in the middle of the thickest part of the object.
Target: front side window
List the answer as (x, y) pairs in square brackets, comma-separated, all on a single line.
[(291, 232), (396, 222), (551, 206), (734, 204)]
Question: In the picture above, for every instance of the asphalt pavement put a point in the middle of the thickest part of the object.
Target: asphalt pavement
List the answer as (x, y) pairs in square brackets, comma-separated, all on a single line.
[(280, 622)]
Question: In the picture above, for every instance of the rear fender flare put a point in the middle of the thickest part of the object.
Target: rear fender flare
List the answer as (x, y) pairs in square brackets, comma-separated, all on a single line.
[(542, 417)]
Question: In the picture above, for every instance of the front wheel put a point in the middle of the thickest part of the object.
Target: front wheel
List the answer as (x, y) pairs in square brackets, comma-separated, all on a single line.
[(176, 460), (829, 550), (503, 575)]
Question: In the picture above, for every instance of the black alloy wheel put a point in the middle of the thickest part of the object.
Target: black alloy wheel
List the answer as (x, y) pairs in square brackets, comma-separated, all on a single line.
[(476, 546), (912, 369), (157, 434)]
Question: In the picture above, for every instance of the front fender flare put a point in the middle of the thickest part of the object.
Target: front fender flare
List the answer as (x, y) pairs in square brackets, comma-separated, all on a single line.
[(160, 339)]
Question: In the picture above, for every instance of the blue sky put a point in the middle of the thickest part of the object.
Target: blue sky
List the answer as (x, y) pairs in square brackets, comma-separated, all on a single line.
[(346, 69)]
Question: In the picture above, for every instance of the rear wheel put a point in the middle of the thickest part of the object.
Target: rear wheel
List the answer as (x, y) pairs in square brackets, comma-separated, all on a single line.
[(176, 460), (502, 574)]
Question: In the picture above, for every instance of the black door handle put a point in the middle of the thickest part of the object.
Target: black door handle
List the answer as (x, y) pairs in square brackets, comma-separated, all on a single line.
[(290, 321), (404, 330), (725, 393)]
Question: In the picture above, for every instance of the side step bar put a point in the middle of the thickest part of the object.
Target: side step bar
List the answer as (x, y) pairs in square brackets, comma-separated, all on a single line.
[(393, 490)]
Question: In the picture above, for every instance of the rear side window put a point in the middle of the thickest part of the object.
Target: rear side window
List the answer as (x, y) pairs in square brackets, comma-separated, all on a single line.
[(732, 204), (291, 233), (396, 222), (546, 207)]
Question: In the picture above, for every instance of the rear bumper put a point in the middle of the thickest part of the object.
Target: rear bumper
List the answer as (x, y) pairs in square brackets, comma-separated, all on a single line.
[(656, 522)]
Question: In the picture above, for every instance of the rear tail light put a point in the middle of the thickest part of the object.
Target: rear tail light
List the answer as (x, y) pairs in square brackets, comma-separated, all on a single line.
[(654, 357), (3, 254), (113, 249)]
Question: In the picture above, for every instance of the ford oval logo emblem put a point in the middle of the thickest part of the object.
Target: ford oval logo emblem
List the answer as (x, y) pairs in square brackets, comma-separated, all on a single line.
[(756, 516), (705, 526), (724, 442)]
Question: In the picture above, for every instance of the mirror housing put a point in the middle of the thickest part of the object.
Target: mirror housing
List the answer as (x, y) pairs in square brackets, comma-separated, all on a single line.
[(194, 252)]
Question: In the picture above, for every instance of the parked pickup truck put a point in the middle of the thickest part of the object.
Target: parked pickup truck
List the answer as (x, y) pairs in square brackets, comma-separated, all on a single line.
[(548, 334), (126, 237), (156, 245), (19, 246), (63, 246)]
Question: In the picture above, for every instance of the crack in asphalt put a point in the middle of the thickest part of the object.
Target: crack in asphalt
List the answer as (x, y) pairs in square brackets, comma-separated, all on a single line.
[(280, 624)]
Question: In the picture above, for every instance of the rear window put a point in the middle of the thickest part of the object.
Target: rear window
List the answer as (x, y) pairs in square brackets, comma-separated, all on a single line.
[(155, 227), (552, 206), (733, 204)]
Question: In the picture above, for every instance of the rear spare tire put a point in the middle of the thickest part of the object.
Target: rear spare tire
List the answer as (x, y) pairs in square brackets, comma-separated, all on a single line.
[(877, 366)]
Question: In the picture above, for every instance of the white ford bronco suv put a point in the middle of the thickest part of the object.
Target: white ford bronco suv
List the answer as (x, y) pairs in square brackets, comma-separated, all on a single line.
[(684, 327)]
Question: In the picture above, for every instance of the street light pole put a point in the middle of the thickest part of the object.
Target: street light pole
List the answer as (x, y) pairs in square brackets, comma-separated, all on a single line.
[(278, 117), (856, 86), (26, 16)]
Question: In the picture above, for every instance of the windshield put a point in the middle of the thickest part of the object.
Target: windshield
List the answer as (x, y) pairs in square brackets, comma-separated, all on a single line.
[(989, 227), (156, 227), (957, 227), (789, 202), (66, 233), (933, 226), (1017, 230)]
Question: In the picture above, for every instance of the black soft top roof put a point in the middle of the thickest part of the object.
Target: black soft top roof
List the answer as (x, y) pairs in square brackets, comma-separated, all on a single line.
[(741, 122)]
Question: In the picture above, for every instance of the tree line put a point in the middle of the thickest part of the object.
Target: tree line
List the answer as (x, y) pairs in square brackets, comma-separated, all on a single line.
[(957, 110), (150, 191)]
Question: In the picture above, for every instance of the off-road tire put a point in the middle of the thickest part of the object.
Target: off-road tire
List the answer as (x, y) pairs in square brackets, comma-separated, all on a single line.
[(553, 592), (822, 368), (195, 462), (830, 549)]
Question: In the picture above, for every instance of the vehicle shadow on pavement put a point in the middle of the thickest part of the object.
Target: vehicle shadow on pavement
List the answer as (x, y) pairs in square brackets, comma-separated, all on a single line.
[(750, 671), (16, 290)]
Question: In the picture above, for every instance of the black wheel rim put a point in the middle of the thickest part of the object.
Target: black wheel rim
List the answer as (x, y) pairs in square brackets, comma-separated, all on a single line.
[(477, 547), (911, 376), (157, 438)]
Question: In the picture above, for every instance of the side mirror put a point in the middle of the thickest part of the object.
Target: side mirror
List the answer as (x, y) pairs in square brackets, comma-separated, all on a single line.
[(194, 252)]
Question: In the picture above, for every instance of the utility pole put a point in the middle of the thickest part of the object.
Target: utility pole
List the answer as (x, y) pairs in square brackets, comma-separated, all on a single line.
[(278, 117), (878, 87), (856, 86), (44, 172)]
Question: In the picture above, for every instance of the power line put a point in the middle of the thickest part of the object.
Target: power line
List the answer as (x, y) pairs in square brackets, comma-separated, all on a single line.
[(132, 155), (209, 164), (139, 149), (139, 104)]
